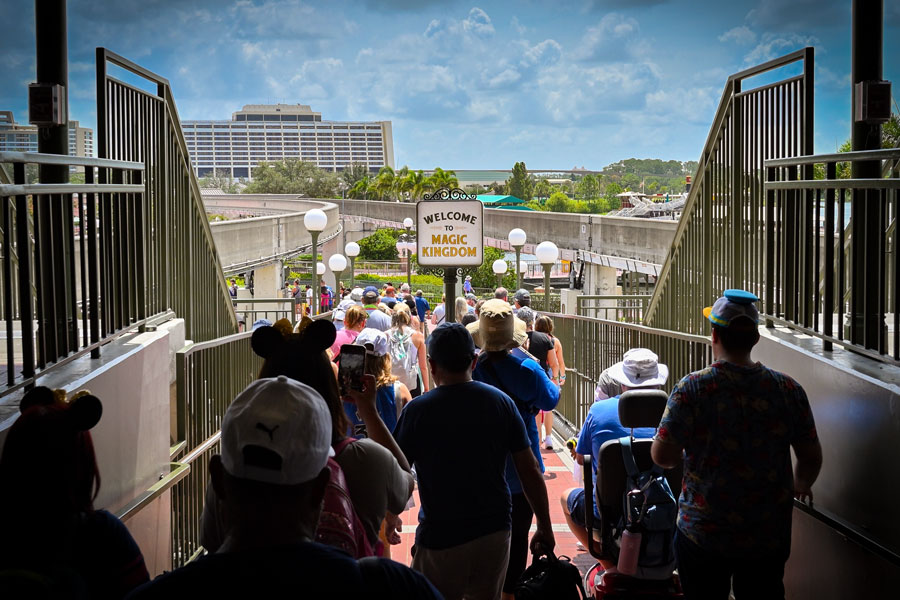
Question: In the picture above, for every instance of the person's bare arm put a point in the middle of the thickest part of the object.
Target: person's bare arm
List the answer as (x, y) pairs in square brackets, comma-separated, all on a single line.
[(809, 461), (559, 359), (553, 364), (536, 492), (419, 340), (665, 454), (375, 427)]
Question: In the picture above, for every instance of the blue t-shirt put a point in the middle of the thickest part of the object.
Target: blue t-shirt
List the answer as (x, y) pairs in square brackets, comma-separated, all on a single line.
[(307, 568), (531, 390), (386, 405), (462, 487), (421, 306), (601, 425)]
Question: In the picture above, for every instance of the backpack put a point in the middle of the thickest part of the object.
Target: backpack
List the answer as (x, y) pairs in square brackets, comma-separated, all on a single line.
[(404, 355), (654, 516), (551, 578), (339, 525)]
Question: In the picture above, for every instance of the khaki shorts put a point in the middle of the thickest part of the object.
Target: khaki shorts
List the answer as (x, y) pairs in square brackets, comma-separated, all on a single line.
[(473, 570)]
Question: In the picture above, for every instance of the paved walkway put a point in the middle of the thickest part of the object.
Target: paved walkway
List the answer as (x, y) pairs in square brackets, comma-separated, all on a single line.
[(558, 477)]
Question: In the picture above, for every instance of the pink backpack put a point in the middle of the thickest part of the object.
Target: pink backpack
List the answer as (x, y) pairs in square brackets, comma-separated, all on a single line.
[(339, 525)]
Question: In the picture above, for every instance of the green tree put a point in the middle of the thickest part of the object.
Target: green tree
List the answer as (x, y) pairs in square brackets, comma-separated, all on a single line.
[(483, 276), (221, 179), (361, 189), (417, 184), (542, 189), (611, 196), (385, 182), (381, 245), (558, 202), (588, 187), (443, 179), (520, 184), (354, 173), (293, 176)]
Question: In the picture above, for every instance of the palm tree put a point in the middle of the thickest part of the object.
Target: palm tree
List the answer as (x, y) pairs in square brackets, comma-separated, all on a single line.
[(542, 189), (361, 189), (417, 184), (441, 178), (401, 186), (384, 182)]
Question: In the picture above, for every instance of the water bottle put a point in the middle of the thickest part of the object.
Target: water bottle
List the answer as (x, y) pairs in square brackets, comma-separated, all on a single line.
[(629, 551)]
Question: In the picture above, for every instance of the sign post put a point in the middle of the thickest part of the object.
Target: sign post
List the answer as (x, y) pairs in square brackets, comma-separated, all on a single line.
[(450, 234)]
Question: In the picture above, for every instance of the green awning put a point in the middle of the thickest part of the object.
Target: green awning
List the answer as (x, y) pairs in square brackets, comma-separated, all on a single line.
[(496, 200)]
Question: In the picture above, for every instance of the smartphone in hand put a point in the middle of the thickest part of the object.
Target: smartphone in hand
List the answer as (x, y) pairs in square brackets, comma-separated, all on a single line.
[(351, 369)]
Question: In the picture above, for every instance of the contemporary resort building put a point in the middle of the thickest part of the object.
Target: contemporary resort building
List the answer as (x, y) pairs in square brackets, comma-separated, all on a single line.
[(21, 137), (274, 132)]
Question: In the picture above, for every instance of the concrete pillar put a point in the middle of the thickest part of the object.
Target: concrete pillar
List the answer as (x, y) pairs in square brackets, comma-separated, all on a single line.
[(569, 301), (332, 246), (267, 281)]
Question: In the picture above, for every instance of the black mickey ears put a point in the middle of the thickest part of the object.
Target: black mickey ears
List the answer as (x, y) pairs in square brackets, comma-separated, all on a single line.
[(85, 412), (266, 341), (82, 412), (319, 335), (38, 396)]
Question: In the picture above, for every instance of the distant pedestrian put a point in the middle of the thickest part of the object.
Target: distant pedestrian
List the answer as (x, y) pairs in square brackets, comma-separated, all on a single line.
[(467, 286)]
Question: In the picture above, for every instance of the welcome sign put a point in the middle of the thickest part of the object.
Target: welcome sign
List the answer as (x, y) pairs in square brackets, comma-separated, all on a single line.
[(450, 230)]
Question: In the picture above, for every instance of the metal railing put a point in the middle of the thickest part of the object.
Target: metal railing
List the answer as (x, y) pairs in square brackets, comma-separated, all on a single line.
[(721, 238), (208, 377), (272, 309), (629, 309), (181, 269), (592, 345), (65, 290), (812, 282)]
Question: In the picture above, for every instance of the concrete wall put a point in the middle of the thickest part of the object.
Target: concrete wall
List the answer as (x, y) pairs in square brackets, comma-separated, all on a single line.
[(641, 239), (250, 239), (132, 379), (856, 404)]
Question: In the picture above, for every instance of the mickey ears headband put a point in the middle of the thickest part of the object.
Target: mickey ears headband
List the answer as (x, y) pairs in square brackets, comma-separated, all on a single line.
[(83, 411), (315, 336)]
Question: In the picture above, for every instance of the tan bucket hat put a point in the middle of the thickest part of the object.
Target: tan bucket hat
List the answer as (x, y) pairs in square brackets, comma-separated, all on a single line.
[(497, 328)]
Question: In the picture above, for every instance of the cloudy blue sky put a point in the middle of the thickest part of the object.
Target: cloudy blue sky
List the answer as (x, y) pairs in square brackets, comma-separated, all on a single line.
[(467, 83)]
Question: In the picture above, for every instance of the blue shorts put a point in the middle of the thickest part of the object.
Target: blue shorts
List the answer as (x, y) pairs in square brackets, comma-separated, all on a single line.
[(575, 504)]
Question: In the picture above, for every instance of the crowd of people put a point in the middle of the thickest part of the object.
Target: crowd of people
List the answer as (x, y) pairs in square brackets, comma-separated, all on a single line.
[(313, 471)]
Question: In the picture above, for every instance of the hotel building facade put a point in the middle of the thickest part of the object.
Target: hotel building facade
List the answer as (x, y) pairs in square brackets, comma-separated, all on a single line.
[(20, 137), (274, 132)]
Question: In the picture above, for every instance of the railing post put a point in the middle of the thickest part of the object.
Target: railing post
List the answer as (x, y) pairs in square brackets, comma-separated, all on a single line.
[(736, 206)]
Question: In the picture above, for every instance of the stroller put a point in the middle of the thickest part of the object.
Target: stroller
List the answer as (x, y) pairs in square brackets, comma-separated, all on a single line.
[(637, 408)]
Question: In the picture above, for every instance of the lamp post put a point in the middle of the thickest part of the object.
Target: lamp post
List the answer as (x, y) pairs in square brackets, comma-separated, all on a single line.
[(547, 253), (408, 223), (499, 267), (337, 263), (517, 239), (352, 251), (315, 221)]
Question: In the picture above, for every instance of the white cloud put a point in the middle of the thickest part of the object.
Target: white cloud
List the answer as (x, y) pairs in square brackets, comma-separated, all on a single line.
[(517, 26), (504, 78), (773, 45), (478, 23), (615, 37), (742, 35), (542, 54)]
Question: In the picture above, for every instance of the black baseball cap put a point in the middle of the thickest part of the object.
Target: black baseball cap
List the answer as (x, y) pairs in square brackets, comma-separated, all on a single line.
[(451, 346), (522, 294)]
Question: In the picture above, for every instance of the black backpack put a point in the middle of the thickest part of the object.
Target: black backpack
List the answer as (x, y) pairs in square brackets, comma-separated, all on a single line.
[(654, 516), (550, 578)]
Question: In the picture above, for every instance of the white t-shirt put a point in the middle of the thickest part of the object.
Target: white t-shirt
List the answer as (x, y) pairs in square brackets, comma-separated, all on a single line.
[(438, 314)]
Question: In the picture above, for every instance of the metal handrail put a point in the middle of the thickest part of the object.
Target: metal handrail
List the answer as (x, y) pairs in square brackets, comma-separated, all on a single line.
[(177, 472), (726, 203), (837, 157), (29, 189), (65, 160)]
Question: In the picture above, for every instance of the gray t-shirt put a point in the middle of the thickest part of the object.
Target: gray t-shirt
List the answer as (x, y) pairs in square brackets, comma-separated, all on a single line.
[(376, 482)]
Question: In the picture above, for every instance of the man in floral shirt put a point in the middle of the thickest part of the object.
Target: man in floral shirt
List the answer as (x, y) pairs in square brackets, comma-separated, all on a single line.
[(736, 422)]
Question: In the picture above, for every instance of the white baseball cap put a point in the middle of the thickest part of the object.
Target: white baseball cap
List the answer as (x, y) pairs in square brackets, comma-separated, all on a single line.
[(640, 367), (277, 431), (375, 340)]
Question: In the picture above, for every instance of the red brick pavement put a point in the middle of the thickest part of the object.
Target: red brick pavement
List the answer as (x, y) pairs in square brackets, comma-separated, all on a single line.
[(558, 477)]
